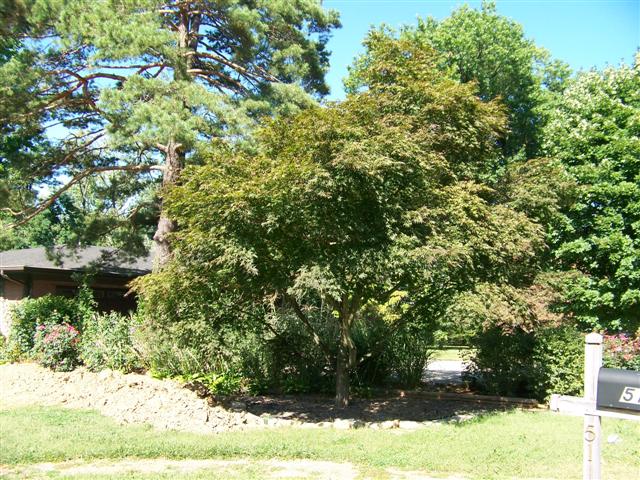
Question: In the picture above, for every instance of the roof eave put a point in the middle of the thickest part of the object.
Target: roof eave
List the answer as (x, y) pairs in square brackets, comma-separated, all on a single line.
[(103, 273)]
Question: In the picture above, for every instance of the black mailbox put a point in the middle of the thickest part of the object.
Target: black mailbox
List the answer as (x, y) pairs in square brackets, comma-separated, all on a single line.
[(618, 389)]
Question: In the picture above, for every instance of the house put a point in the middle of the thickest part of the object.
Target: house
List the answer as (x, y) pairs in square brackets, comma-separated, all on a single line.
[(34, 272)]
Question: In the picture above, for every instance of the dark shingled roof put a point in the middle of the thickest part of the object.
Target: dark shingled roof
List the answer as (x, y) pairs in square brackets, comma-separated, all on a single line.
[(105, 259)]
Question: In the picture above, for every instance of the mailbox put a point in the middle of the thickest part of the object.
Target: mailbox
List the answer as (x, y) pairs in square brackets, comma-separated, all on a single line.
[(618, 389)]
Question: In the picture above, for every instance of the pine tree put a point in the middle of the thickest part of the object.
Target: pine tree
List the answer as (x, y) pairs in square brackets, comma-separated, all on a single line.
[(133, 87)]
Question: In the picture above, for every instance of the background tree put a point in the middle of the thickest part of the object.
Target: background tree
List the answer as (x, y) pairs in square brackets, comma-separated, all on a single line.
[(137, 86), (491, 50), (94, 211), (594, 129), (372, 202)]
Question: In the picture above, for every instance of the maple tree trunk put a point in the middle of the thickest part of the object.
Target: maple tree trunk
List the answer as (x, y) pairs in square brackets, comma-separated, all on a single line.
[(345, 362)]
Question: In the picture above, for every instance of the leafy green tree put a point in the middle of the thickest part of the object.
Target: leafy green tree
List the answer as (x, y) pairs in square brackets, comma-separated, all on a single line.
[(491, 50), (371, 203), (138, 86), (594, 130)]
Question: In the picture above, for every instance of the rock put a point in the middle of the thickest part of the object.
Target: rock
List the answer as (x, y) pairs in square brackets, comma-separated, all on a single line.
[(252, 419), (165, 404), (105, 375), (309, 425), (358, 424), (238, 405), (613, 438), (431, 423), (273, 422), (409, 425), (460, 418), (389, 424), (343, 424)]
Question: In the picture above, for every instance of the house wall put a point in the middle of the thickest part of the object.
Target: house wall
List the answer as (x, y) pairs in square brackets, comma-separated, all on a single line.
[(11, 294), (108, 295), (41, 287)]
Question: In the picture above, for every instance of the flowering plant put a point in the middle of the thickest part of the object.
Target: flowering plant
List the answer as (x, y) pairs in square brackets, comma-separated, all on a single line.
[(56, 346), (622, 351)]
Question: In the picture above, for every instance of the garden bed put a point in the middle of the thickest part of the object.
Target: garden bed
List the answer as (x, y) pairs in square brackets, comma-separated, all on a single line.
[(165, 404), (399, 408)]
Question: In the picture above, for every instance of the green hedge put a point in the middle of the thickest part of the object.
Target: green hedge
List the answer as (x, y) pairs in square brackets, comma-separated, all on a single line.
[(529, 364)]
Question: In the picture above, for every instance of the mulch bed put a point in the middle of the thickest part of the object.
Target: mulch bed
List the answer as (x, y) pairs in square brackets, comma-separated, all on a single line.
[(317, 408)]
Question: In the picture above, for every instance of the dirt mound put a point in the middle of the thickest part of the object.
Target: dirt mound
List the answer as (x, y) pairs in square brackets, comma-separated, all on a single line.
[(130, 398)]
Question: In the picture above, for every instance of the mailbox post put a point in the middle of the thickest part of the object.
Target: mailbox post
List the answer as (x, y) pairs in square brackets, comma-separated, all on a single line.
[(608, 392), (592, 423)]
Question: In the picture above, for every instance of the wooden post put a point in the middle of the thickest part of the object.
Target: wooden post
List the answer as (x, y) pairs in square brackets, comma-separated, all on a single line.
[(592, 435)]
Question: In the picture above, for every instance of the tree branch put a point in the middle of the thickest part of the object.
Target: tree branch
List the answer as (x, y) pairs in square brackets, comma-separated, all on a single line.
[(90, 171), (98, 135), (205, 73), (305, 320), (234, 66)]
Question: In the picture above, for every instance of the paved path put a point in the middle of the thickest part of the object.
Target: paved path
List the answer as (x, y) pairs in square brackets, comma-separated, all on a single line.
[(444, 372)]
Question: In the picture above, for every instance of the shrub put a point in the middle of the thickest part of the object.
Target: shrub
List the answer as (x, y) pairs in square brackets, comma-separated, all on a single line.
[(622, 351), (292, 362), (107, 342), (529, 364), (371, 336), (558, 357), (56, 346), (501, 363), (31, 312), (4, 350), (277, 354), (217, 384), (179, 349), (408, 354)]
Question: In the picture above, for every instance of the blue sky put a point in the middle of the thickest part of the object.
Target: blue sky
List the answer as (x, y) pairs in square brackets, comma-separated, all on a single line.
[(583, 33)]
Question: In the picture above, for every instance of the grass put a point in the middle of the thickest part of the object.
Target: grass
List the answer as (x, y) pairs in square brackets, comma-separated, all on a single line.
[(507, 445), (449, 354), (241, 472)]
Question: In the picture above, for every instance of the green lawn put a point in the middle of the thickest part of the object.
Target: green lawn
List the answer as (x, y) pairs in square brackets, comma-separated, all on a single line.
[(508, 445), (449, 354)]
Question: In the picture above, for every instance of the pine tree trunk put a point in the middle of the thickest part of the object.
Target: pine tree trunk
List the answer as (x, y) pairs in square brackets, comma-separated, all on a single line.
[(174, 155), (174, 162)]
